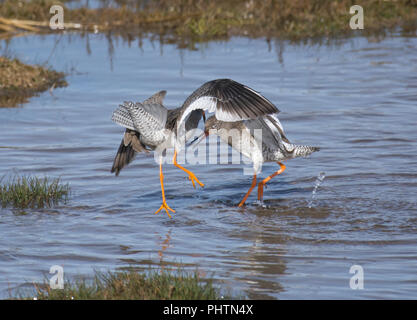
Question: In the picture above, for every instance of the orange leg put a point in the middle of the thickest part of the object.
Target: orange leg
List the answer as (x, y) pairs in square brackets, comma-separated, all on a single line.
[(164, 204), (263, 182), (191, 175), (249, 191)]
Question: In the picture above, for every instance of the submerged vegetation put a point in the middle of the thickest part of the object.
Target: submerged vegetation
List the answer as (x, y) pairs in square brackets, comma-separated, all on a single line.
[(32, 192), (128, 285), (185, 21), (19, 81)]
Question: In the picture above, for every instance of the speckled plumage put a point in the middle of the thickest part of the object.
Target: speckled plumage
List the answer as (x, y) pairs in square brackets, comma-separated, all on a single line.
[(157, 127), (261, 140), (144, 131)]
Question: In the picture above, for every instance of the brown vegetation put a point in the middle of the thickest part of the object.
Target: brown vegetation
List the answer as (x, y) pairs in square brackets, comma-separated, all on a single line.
[(18, 81), (188, 21), (201, 20)]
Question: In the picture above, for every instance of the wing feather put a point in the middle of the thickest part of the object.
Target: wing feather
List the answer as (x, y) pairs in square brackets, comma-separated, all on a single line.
[(127, 150), (147, 117), (230, 100), (157, 98)]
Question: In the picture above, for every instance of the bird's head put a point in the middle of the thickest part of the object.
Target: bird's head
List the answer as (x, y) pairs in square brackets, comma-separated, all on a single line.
[(211, 124)]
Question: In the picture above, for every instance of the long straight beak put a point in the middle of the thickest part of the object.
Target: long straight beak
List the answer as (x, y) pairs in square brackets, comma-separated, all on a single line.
[(198, 140), (204, 116)]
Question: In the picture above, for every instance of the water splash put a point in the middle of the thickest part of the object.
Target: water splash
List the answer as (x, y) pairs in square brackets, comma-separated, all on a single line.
[(317, 184), (260, 203)]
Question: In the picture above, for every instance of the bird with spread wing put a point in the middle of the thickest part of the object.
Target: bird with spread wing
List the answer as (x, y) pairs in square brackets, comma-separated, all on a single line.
[(151, 126)]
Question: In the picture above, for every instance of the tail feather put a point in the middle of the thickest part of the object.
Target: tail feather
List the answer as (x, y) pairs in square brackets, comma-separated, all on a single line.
[(304, 151)]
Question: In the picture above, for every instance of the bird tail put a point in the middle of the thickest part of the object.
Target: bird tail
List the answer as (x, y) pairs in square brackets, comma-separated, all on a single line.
[(304, 151), (295, 151)]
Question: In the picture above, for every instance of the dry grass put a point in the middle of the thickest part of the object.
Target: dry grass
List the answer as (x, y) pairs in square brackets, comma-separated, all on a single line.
[(202, 20), (186, 22), (18, 81)]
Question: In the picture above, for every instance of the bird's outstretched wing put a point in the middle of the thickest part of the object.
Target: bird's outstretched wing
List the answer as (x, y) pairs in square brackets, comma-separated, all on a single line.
[(150, 112), (157, 98), (122, 117), (230, 100), (127, 150), (149, 115), (135, 117)]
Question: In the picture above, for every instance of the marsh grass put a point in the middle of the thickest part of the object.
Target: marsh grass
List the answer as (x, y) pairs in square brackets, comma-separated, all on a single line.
[(19, 81), (186, 22), (202, 20), (32, 192), (129, 285)]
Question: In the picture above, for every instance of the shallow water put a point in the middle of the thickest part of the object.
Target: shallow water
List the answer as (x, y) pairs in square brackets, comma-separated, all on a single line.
[(357, 100)]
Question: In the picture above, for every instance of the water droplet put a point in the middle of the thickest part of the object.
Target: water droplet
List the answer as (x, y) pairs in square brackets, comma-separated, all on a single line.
[(317, 183)]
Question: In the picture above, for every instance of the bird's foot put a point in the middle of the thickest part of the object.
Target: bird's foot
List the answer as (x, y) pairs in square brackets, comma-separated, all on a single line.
[(166, 207), (194, 179), (242, 203)]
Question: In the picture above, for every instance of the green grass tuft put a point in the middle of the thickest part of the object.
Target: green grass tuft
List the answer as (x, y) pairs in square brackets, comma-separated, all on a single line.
[(128, 285), (32, 192)]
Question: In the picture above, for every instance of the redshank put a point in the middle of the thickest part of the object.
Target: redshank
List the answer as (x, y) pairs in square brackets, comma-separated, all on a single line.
[(150, 126), (261, 140)]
